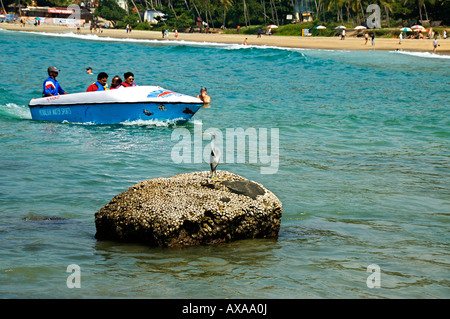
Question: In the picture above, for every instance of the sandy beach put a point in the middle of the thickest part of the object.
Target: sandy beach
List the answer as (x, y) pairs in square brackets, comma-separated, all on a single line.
[(327, 43)]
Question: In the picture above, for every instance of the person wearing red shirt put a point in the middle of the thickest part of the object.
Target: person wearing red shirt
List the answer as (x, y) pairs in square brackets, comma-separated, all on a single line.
[(101, 84), (129, 80)]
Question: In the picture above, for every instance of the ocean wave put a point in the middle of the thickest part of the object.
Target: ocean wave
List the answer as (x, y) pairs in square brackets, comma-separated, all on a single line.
[(94, 37), (424, 54), (228, 46)]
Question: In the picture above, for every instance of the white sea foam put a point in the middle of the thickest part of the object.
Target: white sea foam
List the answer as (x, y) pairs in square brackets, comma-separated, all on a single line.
[(424, 54), (158, 123), (229, 46), (94, 37), (16, 111)]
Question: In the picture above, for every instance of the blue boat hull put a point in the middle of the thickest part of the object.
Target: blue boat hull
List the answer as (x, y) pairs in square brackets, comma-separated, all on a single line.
[(113, 113)]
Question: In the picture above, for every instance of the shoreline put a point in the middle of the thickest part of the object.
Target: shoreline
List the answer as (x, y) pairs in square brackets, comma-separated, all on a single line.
[(321, 43)]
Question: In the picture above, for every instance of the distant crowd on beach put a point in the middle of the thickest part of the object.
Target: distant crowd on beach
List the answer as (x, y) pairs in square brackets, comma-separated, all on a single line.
[(420, 36), (165, 33), (367, 35)]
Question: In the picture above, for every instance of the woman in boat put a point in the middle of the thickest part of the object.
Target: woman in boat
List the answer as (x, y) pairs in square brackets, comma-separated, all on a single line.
[(101, 84)]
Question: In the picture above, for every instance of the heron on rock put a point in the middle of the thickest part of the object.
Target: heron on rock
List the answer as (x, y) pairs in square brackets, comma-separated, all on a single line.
[(214, 156)]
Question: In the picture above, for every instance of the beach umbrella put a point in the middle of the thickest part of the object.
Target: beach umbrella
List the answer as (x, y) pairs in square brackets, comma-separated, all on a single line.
[(341, 27), (405, 29), (360, 27), (417, 27), (320, 27), (272, 26)]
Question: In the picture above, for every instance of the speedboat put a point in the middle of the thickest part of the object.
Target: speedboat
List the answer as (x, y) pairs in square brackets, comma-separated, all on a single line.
[(117, 106)]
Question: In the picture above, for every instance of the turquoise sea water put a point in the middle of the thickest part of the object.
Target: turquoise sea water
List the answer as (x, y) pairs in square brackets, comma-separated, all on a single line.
[(363, 171)]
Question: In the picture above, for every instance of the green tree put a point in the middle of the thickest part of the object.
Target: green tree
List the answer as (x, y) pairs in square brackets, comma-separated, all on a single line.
[(226, 4), (111, 11)]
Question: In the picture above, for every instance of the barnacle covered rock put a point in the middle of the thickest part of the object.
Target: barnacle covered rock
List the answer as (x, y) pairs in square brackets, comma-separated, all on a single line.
[(191, 209)]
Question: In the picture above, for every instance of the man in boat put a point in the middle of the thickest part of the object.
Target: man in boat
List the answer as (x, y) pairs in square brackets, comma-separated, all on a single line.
[(101, 84), (129, 80), (51, 85), (115, 83)]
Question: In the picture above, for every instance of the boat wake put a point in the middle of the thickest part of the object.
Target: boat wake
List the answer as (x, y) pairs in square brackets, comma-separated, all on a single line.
[(15, 111), (157, 123), (154, 123)]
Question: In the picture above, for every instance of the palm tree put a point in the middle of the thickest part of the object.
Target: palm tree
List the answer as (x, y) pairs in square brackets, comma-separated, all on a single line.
[(226, 4), (337, 5), (3, 7), (424, 6), (319, 4), (246, 16), (387, 4), (137, 11), (355, 6)]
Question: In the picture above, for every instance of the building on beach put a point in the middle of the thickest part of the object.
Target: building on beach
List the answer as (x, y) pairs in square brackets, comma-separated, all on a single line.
[(57, 15)]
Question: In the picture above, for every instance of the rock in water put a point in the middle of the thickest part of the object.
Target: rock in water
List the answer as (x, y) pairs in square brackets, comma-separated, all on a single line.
[(191, 209)]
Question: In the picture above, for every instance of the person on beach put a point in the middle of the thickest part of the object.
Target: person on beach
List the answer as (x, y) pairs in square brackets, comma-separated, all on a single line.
[(444, 35), (51, 85), (246, 41), (259, 33), (343, 35), (128, 27), (373, 39), (101, 84), (129, 80), (400, 37), (176, 34), (204, 96), (115, 83), (366, 37), (435, 44)]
